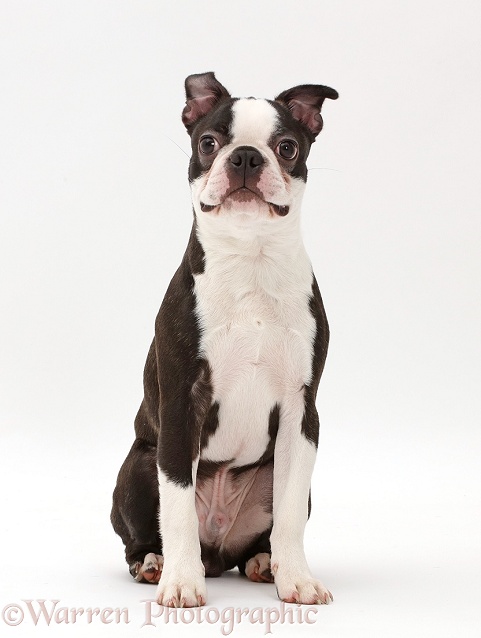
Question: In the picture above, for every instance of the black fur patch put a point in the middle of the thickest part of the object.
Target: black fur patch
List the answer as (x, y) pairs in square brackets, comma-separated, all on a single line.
[(218, 121), (210, 425), (180, 370), (310, 420), (136, 503), (290, 128), (196, 255), (183, 377), (207, 469)]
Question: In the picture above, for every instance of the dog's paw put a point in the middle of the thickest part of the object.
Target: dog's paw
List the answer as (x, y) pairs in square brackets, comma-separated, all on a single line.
[(176, 590), (300, 588), (258, 569), (150, 570)]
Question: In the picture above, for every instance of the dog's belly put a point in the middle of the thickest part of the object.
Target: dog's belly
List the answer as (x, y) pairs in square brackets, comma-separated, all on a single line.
[(233, 509)]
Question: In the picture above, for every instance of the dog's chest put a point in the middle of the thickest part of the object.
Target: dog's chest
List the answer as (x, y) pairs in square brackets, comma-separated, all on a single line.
[(257, 334)]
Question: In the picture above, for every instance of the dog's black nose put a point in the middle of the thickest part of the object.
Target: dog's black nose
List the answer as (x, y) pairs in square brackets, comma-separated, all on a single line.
[(246, 159)]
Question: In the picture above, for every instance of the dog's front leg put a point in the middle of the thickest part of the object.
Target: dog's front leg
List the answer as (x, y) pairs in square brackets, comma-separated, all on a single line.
[(294, 458), (182, 583)]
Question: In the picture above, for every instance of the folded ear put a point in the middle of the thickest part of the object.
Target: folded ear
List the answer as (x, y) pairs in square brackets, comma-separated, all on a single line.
[(202, 92), (305, 102)]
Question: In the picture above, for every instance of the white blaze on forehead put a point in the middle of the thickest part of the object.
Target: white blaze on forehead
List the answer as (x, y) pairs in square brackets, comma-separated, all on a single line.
[(254, 121)]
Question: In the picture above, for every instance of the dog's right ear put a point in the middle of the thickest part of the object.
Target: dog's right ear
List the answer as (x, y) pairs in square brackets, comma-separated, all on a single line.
[(202, 92)]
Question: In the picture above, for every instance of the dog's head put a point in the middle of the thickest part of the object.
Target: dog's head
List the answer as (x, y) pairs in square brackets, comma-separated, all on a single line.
[(249, 155)]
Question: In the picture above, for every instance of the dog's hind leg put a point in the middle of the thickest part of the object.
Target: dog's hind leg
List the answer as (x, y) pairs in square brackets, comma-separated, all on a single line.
[(135, 512)]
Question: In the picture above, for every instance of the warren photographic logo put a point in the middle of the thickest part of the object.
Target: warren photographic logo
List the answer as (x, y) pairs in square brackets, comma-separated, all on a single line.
[(52, 612)]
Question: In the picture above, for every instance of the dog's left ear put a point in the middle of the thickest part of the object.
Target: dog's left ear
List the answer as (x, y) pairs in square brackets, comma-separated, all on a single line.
[(305, 102), (202, 91)]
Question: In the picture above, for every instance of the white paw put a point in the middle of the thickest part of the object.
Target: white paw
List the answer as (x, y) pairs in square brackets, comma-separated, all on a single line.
[(300, 588), (177, 590), (258, 569)]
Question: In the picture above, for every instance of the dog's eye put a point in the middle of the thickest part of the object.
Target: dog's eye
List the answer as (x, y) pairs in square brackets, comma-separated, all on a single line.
[(208, 145), (287, 149)]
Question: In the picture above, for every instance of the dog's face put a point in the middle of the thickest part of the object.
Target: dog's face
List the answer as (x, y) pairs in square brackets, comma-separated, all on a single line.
[(249, 155)]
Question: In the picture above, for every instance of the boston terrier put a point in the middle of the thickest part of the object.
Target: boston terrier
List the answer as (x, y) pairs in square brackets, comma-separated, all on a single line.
[(226, 435)]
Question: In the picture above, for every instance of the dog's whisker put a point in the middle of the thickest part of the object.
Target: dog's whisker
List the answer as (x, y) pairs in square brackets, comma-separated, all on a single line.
[(179, 147)]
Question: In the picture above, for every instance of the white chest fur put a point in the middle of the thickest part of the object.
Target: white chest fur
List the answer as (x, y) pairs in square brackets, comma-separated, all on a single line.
[(257, 334)]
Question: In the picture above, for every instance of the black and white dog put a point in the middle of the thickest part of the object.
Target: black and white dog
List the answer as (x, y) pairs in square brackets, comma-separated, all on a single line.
[(226, 435)]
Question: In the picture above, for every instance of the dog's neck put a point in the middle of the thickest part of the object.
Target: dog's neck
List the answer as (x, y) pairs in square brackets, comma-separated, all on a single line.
[(262, 257), (224, 237)]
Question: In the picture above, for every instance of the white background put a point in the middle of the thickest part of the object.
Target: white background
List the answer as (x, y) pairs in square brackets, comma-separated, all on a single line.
[(95, 215)]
